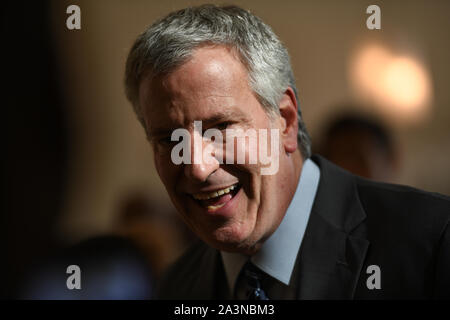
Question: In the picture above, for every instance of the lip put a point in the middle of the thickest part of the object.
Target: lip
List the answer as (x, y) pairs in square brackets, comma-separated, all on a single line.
[(226, 211), (212, 190)]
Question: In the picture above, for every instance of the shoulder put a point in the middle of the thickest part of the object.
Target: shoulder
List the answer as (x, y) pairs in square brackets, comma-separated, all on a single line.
[(414, 211), (402, 198), (385, 206)]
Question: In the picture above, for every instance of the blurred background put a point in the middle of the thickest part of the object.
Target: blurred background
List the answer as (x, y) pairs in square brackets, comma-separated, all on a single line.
[(79, 171)]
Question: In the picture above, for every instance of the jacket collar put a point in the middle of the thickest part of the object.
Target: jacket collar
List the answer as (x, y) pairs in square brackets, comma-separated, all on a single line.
[(334, 247)]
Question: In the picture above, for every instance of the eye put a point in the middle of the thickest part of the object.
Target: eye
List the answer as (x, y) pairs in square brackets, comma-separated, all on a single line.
[(223, 125), (166, 141)]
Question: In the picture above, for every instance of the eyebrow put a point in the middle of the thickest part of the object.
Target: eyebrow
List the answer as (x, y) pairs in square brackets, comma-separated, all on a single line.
[(225, 115), (152, 133)]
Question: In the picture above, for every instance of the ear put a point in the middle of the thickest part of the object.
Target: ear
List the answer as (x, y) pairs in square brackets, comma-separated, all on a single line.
[(288, 118)]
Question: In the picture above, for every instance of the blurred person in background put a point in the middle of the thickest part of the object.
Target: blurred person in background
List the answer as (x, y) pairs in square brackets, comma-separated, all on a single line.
[(110, 268), (125, 264), (361, 145), (157, 232), (310, 230)]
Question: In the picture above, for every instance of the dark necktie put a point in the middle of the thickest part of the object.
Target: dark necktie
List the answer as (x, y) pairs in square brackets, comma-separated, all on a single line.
[(253, 277)]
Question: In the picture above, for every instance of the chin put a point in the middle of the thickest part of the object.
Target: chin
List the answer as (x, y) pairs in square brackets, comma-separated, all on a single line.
[(232, 238)]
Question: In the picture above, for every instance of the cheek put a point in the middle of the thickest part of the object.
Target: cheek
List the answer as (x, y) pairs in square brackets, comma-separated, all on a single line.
[(240, 148), (257, 155)]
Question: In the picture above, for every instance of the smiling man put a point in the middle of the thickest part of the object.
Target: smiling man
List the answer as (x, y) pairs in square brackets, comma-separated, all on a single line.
[(309, 229), (213, 87)]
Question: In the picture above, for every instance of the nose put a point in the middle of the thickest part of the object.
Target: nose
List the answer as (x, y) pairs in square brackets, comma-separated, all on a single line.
[(199, 172), (203, 163)]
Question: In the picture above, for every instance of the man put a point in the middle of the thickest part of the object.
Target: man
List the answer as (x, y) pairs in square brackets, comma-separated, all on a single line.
[(309, 230)]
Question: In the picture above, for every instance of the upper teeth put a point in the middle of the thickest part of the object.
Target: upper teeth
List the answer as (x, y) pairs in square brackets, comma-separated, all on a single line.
[(214, 194)]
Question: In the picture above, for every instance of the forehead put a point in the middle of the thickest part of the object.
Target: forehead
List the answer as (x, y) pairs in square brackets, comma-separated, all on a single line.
[(213, 83)]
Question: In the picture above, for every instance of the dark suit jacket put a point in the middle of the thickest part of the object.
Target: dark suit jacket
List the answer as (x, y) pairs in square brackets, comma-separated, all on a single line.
[(354, 223)]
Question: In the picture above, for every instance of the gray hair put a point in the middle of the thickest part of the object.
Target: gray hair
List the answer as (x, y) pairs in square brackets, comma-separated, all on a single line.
[(170, 42)]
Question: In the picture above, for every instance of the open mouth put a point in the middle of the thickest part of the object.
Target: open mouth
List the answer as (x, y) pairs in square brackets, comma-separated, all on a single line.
[(215, 200)]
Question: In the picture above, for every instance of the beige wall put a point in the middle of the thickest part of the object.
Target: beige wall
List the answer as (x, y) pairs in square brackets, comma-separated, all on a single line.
[(109, 153)]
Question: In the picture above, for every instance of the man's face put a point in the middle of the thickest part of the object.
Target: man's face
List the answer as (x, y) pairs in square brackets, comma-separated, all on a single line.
[(212, 87)]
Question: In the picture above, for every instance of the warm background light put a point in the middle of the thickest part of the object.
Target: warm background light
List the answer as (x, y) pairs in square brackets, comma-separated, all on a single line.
[(406, 85), (366, 69), (399, 86)]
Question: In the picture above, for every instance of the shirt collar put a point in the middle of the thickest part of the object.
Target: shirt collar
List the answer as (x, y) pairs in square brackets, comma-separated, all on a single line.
[(277, 255)]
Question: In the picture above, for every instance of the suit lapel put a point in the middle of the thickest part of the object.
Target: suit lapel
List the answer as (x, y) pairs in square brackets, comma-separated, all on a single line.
[(334, 246)]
